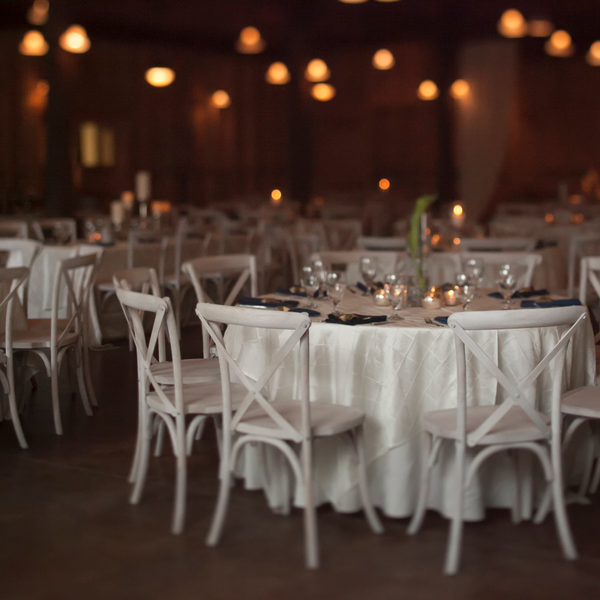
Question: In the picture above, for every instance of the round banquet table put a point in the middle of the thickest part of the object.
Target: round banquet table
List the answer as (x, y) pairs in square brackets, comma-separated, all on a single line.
[(395, 373)]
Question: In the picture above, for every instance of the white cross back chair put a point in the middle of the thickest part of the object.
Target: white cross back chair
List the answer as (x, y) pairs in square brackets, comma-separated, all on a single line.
[(280, 423), (500, 244), (200, 270), (529, 261), (171, 404), (588, 263), (395, 244), (513, 425), (57, 335), (15, 278), (12, 228), (22, 253)]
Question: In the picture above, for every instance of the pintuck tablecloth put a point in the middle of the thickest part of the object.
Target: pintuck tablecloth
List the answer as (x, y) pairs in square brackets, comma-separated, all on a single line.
[(395, 373)]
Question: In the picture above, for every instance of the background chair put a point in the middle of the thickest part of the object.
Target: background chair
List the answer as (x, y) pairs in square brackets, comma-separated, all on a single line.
[(580, 246), (396, 244), (514, 425), (500, 244), (280, 423), (12, 228), (349, 261), (62, 231)]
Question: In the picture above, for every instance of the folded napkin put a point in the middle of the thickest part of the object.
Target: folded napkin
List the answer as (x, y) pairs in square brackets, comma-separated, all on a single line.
[(551, 304), (308, 311), (363, 288), (521, 294), (355, 319), (267, 302), (441, 320), (293, 291)]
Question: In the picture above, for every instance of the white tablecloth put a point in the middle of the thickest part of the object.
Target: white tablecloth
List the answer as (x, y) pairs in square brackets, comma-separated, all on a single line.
[(395, 373)]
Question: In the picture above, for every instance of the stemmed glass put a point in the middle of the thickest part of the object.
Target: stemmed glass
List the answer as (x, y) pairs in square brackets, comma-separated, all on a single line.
[(473, 269), (321, 273), (465, 294), (507, 283), (396, 294), (335, 289), (311, 286), (368, 270)]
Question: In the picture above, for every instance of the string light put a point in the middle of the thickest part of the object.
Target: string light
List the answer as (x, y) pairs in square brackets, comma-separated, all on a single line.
[(383, 60), (75, 40), (317, 70), (540, 27), (428, 90), (593, 55), (559, 44), (384, 184), (460, 89), (220, 99), (278, 74), (250, 41), (160, 76), (323, 92), (33, 44), (512, 24)]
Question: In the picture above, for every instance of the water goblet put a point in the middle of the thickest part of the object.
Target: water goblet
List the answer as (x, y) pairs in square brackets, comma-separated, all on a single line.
[(368, 270), (311, 287), (507, 284), (465, 294), (396, 294), (336, 290)]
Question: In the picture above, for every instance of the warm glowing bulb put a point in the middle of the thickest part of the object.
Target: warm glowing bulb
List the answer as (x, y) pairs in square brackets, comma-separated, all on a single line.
[(317, 70), (38, 13), (383, 60), (540, 28), (512, 24), (559, 44), (456, 241), (220, 99), (160, 76), (460, 89), (353, 1), (458, 210), (278, 74), (428, 90), (323, 92), (435, 239), (384, 184), (549, 218), (75, 40), (593, 55), (33, 44), (276, 195), (250, 41)]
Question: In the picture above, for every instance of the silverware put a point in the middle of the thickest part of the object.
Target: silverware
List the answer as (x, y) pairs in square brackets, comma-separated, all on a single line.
[(432, 322)]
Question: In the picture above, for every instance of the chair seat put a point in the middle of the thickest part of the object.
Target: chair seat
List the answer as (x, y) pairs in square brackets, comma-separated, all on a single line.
[(582, 402), (515, 426), (199, 398), (106, 287), (326, 419), (37, 335), (193, 370)]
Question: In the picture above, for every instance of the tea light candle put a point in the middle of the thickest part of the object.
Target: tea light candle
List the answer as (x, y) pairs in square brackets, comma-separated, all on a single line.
[(380, 298), (450, 298), (431, 302)]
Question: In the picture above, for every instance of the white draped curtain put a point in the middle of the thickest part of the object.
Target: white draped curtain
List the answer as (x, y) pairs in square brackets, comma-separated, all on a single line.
[(490, 67)]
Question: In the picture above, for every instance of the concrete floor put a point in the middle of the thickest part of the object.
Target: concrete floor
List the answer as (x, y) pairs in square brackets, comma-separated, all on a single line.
[(68, 531)]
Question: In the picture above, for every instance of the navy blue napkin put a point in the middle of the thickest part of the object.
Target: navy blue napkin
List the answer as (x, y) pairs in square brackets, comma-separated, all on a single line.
[(267, 302), (521, 294), (441, 320), (308, 311), (293, 291), (355, 320), (363, 288), (551, 304)]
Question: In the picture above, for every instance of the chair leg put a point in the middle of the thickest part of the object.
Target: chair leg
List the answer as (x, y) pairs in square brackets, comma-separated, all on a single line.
[(456, 528), (560, 511), (516, 508), (81, 381), (138, 449), (88, 374), (588, 463), (419, 515), (180, 485), (12, 403), (142, 469), (216, 528), (311, 540), (55, 396), (160, 437), (596, 477), (284, 485), (363, 485)]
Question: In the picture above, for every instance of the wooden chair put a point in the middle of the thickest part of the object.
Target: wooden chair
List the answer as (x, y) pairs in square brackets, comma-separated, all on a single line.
[(211, 267), (514, 425), (500, 244), (15, 278), (529, 261), (171, 404), (281, 423), (57, 336), (395, 244), (580, 246)]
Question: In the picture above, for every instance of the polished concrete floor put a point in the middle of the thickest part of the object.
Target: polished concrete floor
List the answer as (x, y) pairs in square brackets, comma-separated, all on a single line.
[(67, 530)]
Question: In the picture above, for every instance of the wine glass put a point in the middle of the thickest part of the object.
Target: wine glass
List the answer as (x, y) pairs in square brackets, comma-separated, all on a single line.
[(473, 268), (311, 286), (507, 284), (321, 273), (335, 289), (368, 270), (465, 294), (396, 294)]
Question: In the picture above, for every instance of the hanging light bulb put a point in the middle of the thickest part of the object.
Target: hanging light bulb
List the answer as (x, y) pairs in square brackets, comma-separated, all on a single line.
[(160, 76), (559, 44), (460, 89), (220, 99), (540, 27), (38, 13), (250, 41), (428, 90), (512, 24), (75, 40), (33, 44), (323, 92), (353, 1), (593, 55), (278, 74), (317, 70), (383, 60)]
